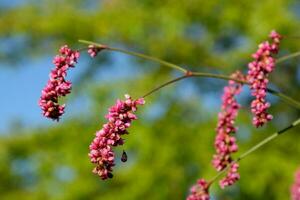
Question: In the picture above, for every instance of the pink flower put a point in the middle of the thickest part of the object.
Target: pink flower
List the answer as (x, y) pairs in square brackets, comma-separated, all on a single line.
[(258, 74), (231, 177), (295, 189), (93, 50), (199, 191), (225, 143), (57, 86), (119, 119)]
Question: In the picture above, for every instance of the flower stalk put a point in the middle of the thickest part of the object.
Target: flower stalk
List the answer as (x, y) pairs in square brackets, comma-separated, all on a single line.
[(187, 73), (285, 98), (140, 55), (284, 58)]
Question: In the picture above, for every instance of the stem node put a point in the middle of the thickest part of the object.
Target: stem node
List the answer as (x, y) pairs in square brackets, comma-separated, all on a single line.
[(188, 73)]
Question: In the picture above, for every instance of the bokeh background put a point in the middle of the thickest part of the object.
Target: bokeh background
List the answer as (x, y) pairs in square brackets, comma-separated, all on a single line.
[(171, 144)]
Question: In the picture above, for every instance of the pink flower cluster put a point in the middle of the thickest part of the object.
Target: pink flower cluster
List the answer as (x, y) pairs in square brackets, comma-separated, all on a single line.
[(199, 191), (231, 177), (57, 86), (258, 73), (119, 119), (225, 143), (295, 189)]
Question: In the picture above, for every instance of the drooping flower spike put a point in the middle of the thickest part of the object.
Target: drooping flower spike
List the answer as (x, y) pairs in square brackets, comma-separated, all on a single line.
[(225, 142), (119, 119), (258, 74), (57, 86)]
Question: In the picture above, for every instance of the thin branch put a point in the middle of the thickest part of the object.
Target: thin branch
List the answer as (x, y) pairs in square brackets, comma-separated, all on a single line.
[(282, 96), (165, 84), (284, 58), (165, 63)]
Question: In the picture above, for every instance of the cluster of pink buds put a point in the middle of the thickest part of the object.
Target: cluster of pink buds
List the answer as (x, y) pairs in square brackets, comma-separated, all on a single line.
[(199, 191), (119, 119), (295, 189), (57, 86), (225, 143), (258, 73), (231, 177), (93, 50)]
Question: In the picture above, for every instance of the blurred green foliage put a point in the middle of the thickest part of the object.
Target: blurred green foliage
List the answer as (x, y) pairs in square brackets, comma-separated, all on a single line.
[(170, 150)]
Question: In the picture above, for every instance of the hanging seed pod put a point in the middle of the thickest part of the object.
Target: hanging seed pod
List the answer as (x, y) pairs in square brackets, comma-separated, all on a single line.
[(110, 175), (124, 156)]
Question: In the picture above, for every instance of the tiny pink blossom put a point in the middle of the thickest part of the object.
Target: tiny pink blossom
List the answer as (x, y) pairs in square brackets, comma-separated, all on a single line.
[(119, 119), (295, 189), (199, 191), (94, 50), (258, 74), (57, 86), (231, 177)]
